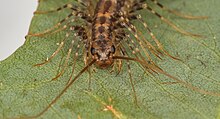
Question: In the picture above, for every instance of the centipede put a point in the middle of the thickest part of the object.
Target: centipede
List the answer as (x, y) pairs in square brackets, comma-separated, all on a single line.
[(106, 37)]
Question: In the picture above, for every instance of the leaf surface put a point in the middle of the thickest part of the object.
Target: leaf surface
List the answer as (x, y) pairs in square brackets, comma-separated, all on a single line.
[(26, 90)]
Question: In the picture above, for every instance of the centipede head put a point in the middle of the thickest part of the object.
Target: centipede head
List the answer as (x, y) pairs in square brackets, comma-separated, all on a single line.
[(103, 56)]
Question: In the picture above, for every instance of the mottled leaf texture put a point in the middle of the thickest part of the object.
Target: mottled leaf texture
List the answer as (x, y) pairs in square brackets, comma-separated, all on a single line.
[(26, 90)]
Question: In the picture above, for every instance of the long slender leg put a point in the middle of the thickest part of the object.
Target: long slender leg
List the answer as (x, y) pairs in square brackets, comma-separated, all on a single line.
[(137, 55), (132, 46), (50, 30), (61, 44), (88, 70), (79, 32), (139, 41), (145, 6), (159, 70), (62, 92), (132, 83), (160, 46), (85, 40), (169, 22), (142, 42), (127, 40), (178, 13), (75, 58), (55, 53), (86, 52), (153, 50), (130, 76), (69, 6), (149, 65), (65, 62)]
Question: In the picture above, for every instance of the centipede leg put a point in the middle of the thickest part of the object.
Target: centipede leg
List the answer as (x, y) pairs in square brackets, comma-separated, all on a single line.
[(178, 13), (159, 45)]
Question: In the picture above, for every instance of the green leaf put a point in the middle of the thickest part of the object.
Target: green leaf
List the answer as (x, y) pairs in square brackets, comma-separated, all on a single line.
[(26, 90)]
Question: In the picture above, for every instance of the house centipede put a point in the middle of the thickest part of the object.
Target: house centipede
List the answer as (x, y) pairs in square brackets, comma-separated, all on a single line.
[(106, 34)]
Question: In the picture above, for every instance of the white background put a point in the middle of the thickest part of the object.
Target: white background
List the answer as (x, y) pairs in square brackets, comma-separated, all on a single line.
[(15, 18)]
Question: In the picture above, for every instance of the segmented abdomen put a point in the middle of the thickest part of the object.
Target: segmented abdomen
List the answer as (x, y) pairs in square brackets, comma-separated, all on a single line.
[(102, 36)]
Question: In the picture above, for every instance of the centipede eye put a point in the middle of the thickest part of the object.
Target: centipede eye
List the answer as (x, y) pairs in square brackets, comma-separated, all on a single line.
[(113, 49), (92, 51)]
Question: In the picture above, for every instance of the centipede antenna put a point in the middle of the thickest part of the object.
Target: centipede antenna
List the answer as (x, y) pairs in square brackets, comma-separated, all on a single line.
[(62, 92)]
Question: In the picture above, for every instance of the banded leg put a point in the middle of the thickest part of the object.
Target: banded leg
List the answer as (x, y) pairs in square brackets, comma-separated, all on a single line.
[(149, 45), (136, 36), (133, 47), (120, 37), (139, 42), (61, 44), (159, 45), (65, 62), (135, 51), (142, 42), (147, 65), (132, 83), (117, 67), (137, 54), (160, 71), (68, 6), (55, 53), (75, 58), (155, 68), (56, 26), (80, 34), (178, 13), (62, 92), (51, 30), (130, 76), (69, 53), (145, 6), (83, 39)]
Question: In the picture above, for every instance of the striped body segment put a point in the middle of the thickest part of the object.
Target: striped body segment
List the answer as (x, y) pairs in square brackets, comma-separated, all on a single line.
[(102, 47)]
